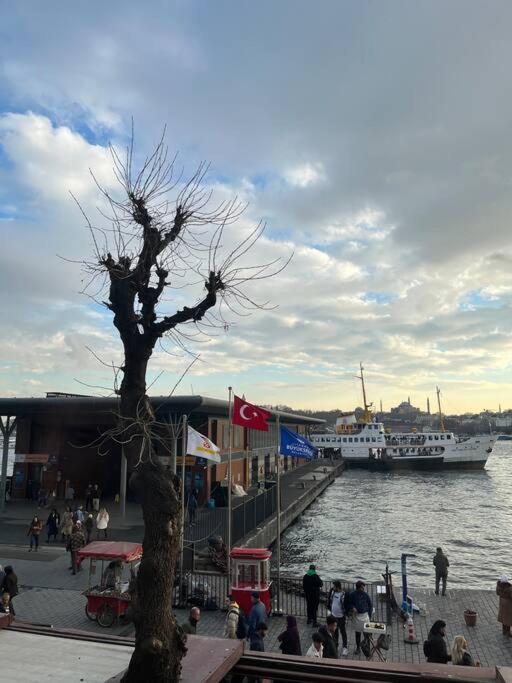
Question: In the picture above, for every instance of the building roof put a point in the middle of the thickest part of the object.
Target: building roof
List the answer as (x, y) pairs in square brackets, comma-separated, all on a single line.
[(25, 407)]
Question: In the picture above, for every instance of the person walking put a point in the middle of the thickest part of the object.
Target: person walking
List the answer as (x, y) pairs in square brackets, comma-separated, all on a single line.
[(52, 525), (232, 617), (359, 604), (460, 654), (330, 638), (434, 648), (316, 649), (312, 584), (96, 496), (66, 525), (102, 520), (35, 528), (190, 626), (290, 638), (441, 564), (257, 615), (88, 498), (76, 542), (336, 603), (504, 591), (88, 526), (10, 585), (192, 507)]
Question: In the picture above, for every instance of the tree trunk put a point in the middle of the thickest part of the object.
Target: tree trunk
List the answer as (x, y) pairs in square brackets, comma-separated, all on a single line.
[(159, 642)]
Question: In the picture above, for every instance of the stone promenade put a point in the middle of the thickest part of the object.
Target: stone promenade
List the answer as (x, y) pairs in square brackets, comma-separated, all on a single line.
[(50, 594)]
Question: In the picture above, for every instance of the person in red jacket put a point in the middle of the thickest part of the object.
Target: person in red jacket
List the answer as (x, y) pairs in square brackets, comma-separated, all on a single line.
[(35, 528)]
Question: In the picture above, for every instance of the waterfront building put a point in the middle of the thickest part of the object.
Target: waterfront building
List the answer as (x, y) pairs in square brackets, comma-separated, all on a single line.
[(57, 440)]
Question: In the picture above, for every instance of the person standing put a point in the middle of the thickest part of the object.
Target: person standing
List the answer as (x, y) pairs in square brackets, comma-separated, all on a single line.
[(330, 638), (460, 654), (257, 637), (77, 541), (52, 525), (96, 495), (69, 492), (190, 626), (434, 647), (88, 498), (66, 525), (88, 526), (232, 617), (289, 638), (359, 604), (35, 528), (257, 615), (336, 603), (10, 585), (192, 507), (316, 649), (504, 591), (102, 520), (441, 564), (312, 584)]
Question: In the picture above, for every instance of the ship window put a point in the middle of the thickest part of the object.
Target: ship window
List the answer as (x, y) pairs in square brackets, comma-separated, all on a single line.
[(344, 439), (430, 438), (436, 437), (448, 436), (322, 439), (367, 439), (350, 439), (442, 437), (374, 439)]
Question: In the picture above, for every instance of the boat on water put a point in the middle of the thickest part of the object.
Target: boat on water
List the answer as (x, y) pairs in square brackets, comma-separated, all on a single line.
[(504, 437), (366, 443)]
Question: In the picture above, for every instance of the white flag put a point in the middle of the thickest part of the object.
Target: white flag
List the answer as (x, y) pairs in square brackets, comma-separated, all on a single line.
[(201, 447)]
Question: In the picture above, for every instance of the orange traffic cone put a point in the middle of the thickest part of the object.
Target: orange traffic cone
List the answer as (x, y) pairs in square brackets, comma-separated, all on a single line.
[(410, 635)]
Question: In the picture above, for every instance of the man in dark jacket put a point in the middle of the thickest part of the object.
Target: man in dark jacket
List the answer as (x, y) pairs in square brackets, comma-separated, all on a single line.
[(312, 583), (10, 585), (190, 626), (330, 638), (441, 564), (359, 604), (257, 615), (435, 647)]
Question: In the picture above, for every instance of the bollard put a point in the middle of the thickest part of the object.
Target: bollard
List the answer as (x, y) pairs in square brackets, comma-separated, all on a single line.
[(411, 635)]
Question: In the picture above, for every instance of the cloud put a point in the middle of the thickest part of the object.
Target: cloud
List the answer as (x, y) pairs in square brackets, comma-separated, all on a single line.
[(305, 175)]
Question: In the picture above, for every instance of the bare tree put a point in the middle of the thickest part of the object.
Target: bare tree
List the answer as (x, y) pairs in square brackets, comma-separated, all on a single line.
[(161, 234)]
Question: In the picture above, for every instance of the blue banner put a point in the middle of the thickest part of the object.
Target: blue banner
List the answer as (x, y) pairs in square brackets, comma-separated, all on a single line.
[(293, 444)]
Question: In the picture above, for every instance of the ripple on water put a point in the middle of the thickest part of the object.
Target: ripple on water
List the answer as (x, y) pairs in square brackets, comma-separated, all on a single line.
[(368, 518)]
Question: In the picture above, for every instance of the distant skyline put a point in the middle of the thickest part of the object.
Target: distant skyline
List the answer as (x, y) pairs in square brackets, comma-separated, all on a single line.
[(374, 138)]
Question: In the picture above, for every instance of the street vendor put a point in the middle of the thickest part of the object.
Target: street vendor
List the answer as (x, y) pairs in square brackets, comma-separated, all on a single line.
[(112, 574)]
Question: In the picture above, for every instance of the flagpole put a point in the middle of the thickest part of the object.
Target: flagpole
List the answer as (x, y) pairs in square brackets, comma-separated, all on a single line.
[(278, 548), (230, 450), (183, 456)]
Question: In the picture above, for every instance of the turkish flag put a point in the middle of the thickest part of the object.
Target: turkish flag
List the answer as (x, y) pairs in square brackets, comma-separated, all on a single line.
[(247, 415)]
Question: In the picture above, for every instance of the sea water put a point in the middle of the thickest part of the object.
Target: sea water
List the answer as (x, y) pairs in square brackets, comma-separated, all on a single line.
[(366, 519)]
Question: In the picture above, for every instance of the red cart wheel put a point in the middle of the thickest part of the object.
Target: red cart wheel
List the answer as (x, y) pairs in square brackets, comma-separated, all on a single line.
[(90, 615), (105, 616)]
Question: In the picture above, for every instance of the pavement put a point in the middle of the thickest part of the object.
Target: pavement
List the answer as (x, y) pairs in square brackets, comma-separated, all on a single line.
[(50, 594)]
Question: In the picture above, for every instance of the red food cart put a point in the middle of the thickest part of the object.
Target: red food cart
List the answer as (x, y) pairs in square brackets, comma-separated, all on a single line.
[(107, 594), (250, 572)]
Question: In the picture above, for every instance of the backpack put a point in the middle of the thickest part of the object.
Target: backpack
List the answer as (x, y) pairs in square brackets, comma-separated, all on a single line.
[(241, 627), (426, 648)]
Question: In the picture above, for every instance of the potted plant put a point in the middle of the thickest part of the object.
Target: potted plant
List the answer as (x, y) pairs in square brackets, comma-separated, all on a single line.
[(470, 617)]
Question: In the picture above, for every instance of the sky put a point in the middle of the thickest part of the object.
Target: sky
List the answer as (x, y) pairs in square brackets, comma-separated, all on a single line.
[(372, 137)]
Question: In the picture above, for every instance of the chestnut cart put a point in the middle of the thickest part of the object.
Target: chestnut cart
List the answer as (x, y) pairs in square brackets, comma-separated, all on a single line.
[(111, 566)]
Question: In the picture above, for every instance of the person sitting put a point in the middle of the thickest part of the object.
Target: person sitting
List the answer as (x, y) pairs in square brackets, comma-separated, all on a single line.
[(111, 573), (434, 647), (316, 649), (460, 654)]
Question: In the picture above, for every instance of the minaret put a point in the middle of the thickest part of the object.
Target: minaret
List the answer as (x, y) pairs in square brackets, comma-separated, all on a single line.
[(409, 400), (428, 405), (381, 405)]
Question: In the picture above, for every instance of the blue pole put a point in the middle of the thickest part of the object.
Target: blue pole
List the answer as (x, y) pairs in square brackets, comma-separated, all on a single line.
[(404, 578)]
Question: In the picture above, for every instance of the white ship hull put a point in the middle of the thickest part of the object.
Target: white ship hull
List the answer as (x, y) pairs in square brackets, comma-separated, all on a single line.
[(368, 446)]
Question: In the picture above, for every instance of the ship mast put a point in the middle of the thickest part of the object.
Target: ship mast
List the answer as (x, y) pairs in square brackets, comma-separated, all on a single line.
[(441, 422), (367, 414)]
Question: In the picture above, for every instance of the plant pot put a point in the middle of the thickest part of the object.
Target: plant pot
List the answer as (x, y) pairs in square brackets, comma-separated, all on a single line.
[(470, 617)]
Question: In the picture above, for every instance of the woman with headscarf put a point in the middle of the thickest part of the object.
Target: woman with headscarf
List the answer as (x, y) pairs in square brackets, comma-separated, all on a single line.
[(435, 648), (504, 591), (289, 638), (460, 654), (10, 585)]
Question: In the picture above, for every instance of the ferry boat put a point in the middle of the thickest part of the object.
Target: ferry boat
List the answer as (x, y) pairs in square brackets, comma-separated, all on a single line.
[(366, 443)]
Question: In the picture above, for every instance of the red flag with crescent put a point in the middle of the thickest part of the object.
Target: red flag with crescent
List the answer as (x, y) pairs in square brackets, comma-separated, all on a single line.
[(247, 415)]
